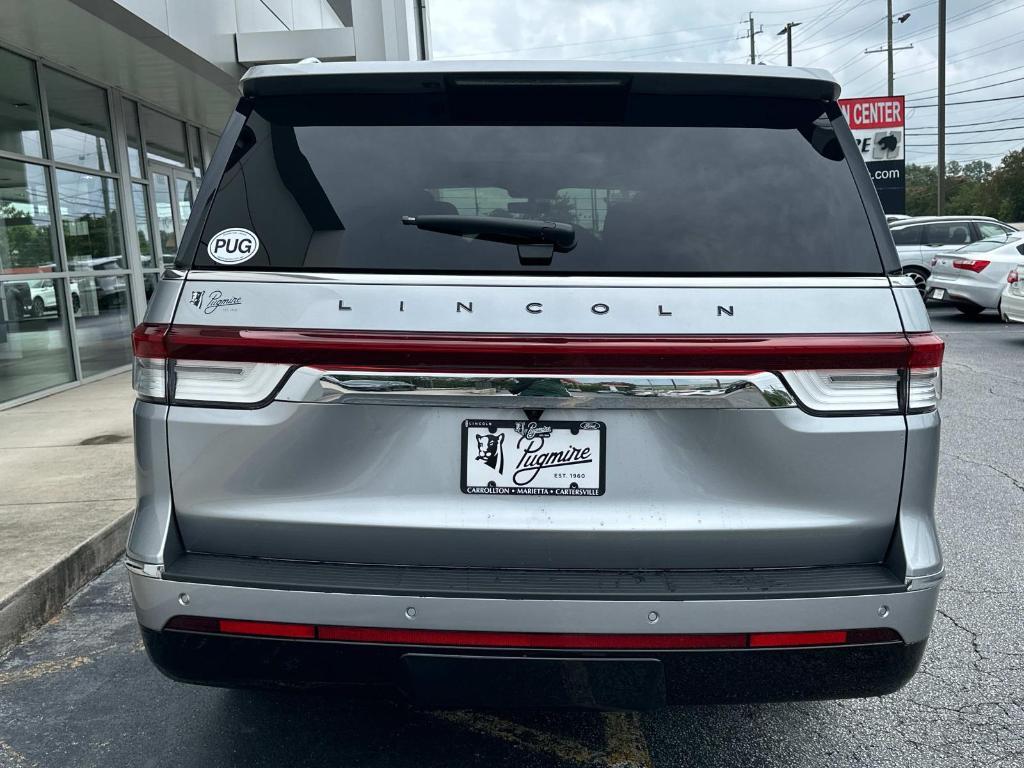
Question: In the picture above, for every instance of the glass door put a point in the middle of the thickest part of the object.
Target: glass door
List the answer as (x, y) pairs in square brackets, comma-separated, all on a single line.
[(173, 193)]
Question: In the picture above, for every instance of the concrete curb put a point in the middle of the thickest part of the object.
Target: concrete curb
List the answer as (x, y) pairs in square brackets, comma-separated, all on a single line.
[(42, 596)]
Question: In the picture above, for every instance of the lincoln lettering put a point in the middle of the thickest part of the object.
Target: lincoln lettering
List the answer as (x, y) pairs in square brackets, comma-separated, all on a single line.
[(536, 308), (534, 459)]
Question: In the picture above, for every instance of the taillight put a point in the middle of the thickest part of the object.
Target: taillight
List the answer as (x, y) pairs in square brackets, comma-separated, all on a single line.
[(829, 373), (163, 379), (971, 265), (914, 385), (1014, 275)]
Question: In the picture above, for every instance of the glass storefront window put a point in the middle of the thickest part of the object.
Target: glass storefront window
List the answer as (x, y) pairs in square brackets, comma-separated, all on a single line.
[(26, 229), (131, 129), (196, 151), (183, 192), (165, 217), (165, 138), (21, 123), (90, 220), (35, 353), (149, 281), (142, 228), (211, 143), (79, 121), (103, 322)]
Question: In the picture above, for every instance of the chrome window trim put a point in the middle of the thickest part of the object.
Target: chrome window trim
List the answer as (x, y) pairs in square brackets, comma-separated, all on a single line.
[(602, 281), (753, 390)]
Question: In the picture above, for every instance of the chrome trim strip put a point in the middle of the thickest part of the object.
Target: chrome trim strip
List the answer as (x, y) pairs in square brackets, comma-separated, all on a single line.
[(534, 281), (149, 570), (909, 613), (754, 390), (173, 274), (915, 583)]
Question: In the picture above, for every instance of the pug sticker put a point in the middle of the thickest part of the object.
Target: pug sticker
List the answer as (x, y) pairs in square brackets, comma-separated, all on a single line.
[(233, 246)]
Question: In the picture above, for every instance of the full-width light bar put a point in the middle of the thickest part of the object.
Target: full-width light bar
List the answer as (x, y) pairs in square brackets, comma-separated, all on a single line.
[(504, 353), (533, 640)]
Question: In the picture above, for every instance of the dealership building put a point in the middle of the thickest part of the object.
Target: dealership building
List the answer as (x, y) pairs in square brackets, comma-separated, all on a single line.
[(109, 113)]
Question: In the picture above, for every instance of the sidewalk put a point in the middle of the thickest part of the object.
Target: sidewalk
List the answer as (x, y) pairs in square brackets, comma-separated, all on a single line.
[(66, 474)]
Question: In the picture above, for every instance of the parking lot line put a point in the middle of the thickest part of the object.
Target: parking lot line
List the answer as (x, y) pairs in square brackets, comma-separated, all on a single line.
[(625, 741), (524, 737)]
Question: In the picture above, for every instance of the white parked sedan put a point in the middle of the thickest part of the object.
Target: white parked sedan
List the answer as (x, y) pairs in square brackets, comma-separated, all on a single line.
[(1011, 305), (972, 278)]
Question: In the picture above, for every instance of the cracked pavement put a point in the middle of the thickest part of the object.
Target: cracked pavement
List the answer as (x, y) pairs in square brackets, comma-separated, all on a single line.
[(81, 692)]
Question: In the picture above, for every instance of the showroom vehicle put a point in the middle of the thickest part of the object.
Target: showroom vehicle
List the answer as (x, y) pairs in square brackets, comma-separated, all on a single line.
[(972, 278), (1011, 306), (460, 388), (920, 238)]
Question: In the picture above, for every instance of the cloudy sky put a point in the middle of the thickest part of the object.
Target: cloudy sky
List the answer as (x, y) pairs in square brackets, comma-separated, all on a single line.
[(985, 50)]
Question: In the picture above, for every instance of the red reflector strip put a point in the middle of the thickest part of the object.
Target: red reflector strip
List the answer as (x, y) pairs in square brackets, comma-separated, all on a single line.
[(505, 353), (529, 639), (789, 639), (537, 640), (267, 629)]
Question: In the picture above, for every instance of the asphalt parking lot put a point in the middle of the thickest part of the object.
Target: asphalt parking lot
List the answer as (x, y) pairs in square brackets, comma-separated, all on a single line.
[(80, 692)]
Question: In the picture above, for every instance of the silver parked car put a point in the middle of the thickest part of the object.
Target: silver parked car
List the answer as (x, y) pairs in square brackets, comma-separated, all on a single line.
[(1011, 306), (461, 386), (972, 278), (920, 238)]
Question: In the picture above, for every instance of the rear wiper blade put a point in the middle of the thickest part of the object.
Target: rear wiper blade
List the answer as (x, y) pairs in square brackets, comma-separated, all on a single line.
[(535, 239)]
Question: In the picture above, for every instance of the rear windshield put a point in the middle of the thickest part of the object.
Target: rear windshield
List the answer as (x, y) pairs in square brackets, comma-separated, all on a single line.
[(653, 185)]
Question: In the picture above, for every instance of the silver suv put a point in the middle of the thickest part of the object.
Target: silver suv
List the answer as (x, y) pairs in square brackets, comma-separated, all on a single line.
[(527, 383)]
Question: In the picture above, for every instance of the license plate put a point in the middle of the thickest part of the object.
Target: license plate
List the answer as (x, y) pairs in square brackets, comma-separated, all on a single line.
[(939, 294), (533, 458)]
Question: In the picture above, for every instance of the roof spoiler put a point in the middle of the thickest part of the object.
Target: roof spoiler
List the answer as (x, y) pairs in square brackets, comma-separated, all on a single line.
[(640, 77)]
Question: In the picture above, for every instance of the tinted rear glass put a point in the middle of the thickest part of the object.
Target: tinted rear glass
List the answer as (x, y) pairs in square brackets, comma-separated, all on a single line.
[(652, 185)]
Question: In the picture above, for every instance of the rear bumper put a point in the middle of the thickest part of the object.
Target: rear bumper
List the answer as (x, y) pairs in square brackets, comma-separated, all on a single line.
[(1012, 308), (735, 675), (455, 678), (966, 290)]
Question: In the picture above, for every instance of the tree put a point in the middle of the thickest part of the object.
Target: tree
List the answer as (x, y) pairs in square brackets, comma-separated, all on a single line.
[(922, 181), (1005, 190), (23, 241)]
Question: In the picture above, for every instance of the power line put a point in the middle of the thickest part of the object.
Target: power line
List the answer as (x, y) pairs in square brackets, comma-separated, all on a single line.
[(807, 36), (970, 79), (976, 88), (966, 125), (808, 26), (955, 133), (956, 59), (971, 143), (973, 101)]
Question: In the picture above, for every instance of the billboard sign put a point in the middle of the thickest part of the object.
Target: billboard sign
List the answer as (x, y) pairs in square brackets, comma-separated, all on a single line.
[(877, 125)]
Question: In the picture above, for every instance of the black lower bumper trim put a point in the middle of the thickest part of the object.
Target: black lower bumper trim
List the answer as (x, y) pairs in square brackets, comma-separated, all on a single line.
[(502, 678)]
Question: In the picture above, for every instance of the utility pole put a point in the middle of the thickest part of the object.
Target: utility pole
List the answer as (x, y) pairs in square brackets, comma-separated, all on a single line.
[(750, 34), (888, 47), (788, 32), (941, 182), (888, 39)]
